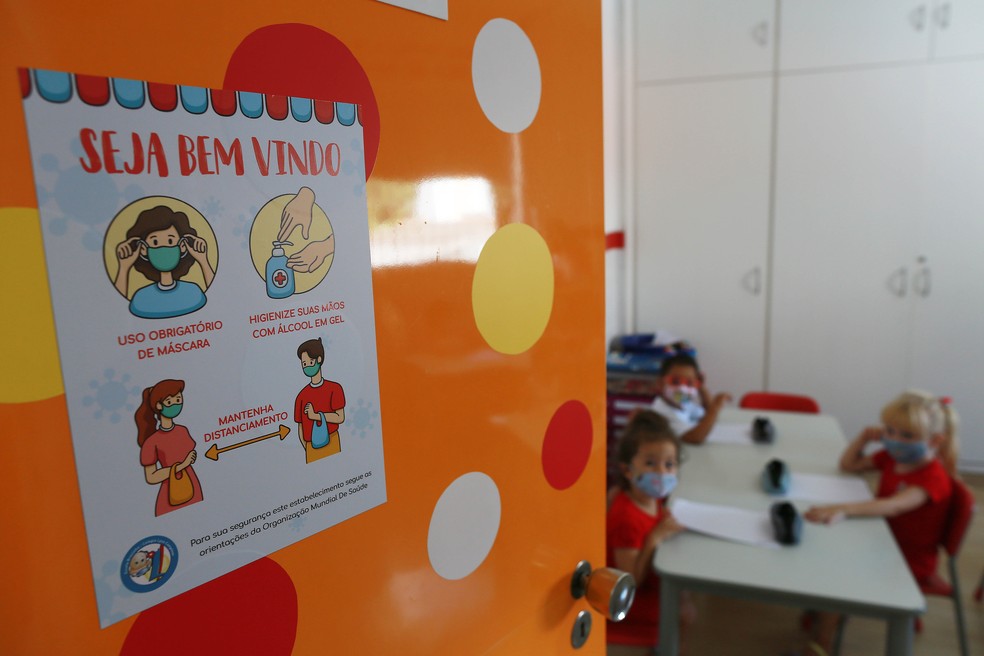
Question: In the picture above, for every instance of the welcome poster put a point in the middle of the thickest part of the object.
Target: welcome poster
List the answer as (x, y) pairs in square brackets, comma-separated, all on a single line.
[(208, 260)]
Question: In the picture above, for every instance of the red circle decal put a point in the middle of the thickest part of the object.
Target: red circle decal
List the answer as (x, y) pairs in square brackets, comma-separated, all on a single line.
[(567, 445), (315, 65), (251, 610)]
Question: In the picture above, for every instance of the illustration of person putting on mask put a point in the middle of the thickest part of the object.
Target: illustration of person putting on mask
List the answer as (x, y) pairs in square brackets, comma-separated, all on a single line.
[(163, 247), (319, 407)]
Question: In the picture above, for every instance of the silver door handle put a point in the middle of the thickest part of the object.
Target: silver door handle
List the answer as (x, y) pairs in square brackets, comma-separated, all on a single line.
[(943, 15), (609, 591), (922, 282), (760, 33), (898, 282), (752, 281), (917, 17)]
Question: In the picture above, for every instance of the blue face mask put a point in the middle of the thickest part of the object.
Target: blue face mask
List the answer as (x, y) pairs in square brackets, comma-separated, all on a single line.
[(164, 258), (681, 395), (171, 411), (312, 370), (655, 484), (906, 453)]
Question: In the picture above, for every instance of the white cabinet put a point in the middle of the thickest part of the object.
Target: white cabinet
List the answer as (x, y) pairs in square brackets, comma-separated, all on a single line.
[(817, 228), (838, 33), (702, 200), (697, 38), (878, 276), (948, 331), (848, 202), (828, 33), (958, 28)]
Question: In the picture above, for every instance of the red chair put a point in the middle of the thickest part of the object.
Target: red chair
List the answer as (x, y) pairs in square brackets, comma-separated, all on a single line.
[(779, 401), (958, 520)]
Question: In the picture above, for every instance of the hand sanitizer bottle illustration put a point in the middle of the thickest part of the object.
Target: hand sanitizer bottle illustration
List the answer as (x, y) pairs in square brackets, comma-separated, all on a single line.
[(279, 276)]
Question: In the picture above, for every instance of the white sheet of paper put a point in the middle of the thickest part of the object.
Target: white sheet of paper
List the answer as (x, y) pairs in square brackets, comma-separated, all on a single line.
[(735, 524), (731, 434), (827, 489)]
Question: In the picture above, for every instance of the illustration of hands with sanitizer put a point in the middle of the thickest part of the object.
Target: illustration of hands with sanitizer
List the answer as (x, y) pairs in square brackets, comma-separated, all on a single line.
[(293, 266)]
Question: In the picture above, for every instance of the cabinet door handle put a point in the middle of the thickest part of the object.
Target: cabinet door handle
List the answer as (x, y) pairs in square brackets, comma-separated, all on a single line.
[(752, 281), (898, 282), (760, 33), (943, 15), (918, 18), (922, 282)]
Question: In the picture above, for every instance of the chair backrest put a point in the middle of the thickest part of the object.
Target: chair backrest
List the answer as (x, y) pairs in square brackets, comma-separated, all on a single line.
[(958, 517), (779, 401)]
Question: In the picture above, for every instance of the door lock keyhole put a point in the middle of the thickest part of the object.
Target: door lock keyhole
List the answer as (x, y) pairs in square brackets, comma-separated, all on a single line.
[(581, 630)]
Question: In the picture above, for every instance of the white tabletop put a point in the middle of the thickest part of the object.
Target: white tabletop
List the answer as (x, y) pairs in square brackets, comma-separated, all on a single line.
[(854, 566)]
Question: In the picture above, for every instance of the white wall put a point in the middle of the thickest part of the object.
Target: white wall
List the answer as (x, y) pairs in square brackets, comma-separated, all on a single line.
[(614, 72)]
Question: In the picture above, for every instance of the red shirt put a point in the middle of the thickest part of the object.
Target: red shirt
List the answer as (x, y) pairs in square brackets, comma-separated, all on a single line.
[(627, 528), (326, 397), (918, 531), (170, 447)]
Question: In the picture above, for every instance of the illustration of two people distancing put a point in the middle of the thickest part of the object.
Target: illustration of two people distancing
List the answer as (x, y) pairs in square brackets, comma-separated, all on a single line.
[(162, 255), (167, 449)]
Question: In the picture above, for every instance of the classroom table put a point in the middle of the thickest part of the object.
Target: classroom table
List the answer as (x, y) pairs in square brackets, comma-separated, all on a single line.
[(852, 567)]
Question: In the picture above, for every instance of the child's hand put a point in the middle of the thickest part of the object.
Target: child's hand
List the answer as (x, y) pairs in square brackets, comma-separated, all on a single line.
[(871, 434), (719, 400), (667, 527), (824, 514)]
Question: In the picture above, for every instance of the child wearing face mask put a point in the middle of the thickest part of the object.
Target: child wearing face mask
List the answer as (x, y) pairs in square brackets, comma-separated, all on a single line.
[(638, 522), (684, 400), (919, 436)]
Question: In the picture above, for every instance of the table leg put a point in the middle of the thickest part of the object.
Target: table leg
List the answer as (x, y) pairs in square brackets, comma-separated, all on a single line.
[(669, 617), (899, 639)]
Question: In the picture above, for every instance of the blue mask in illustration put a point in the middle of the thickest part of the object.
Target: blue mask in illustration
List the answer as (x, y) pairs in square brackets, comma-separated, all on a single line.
[(656, 485), (906, 452), (171, 411), (164, 258), (312, 370)]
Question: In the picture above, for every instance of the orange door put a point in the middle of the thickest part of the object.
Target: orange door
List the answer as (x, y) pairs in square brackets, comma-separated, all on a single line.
[(484, 153)]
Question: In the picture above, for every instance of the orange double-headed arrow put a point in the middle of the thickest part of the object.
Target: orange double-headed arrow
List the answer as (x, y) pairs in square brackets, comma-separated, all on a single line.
[(214, 451)]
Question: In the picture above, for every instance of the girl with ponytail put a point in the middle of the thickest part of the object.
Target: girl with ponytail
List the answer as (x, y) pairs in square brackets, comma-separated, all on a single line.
[(167, 449)]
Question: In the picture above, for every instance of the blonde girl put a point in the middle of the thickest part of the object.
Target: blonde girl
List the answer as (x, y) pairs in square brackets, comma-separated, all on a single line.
[(917, 464)]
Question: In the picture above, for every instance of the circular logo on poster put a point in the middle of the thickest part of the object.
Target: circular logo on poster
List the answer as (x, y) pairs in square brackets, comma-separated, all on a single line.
[(149, 564)]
